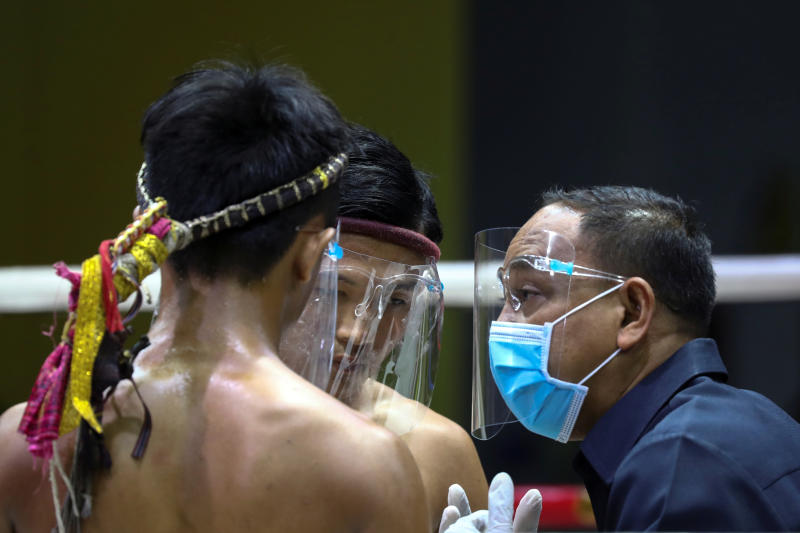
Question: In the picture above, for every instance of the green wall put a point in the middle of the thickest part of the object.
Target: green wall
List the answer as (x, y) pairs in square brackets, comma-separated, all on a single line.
[(77, 77)]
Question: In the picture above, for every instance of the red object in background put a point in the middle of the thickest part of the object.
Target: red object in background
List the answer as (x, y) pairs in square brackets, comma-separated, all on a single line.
[(563, 506)]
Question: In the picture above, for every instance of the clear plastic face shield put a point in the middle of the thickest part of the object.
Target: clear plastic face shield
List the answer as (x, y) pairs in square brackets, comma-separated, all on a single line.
[(388, 327), (384, 355), (522, 295), (307, 345)]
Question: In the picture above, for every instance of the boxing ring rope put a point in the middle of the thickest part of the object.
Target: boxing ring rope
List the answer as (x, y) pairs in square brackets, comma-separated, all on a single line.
[(740, 278), (751, 278)]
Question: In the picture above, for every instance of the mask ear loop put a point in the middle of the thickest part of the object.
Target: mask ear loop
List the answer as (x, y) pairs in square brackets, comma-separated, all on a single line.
[(587, 302), (578, 308), (601, 365)]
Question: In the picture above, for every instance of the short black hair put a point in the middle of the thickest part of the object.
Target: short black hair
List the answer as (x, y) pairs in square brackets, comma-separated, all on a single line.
[(225, 133), (381, 185), (634, 231)]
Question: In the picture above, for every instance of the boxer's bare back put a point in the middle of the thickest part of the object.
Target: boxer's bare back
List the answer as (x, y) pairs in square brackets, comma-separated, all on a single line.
[(239, 443)]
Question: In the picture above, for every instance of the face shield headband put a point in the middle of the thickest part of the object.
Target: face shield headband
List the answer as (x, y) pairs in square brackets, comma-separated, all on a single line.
[(392, 234), (90, 358), (521, 324), (388, 325)]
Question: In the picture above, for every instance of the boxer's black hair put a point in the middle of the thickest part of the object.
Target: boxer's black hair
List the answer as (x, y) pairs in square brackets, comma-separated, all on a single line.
[(225, 133), (381, 185)]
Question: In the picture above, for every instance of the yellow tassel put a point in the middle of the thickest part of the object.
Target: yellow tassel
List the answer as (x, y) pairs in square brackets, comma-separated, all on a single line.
[(90, 326), (89, 329), (149, 253), (90, 323)]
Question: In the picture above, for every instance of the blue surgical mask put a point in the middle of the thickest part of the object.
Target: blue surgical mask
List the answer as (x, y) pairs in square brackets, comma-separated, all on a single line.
[(518, 355)]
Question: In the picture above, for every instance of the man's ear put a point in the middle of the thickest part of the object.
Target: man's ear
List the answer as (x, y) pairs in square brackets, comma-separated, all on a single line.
[(639, 301), (307, 257)]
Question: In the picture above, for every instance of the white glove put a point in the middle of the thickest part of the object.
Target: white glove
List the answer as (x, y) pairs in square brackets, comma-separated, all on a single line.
[(457, 506), (456, 517)]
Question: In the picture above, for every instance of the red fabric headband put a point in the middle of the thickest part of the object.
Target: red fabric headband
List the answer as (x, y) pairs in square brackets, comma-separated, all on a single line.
[(393, 234)]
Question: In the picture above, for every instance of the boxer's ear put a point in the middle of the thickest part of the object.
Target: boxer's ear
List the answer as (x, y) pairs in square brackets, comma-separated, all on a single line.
[(310, 247)]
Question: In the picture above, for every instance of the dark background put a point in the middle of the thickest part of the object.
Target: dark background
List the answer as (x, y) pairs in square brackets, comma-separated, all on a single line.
[(77, 78), (696, 99)]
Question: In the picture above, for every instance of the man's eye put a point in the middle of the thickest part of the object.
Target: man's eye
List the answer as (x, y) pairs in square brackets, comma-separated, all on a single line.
[(527, 292)]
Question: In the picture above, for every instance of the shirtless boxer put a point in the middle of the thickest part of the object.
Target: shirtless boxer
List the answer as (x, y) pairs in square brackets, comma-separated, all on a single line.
[(238, 442), (389, 230)]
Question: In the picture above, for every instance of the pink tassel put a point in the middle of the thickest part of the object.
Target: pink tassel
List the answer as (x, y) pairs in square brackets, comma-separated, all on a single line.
[(42, 417), (74, 278), (160, 228)]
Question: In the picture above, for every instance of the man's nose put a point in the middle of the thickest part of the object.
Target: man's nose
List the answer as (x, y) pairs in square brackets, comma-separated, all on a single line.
[(508, 314)]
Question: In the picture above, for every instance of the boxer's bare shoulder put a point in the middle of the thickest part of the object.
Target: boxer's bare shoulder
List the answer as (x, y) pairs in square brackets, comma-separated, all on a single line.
[(12, 445), (26, 500), (260, 448), (445, 454), (322, 465), (231, 451), (442, 450)]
